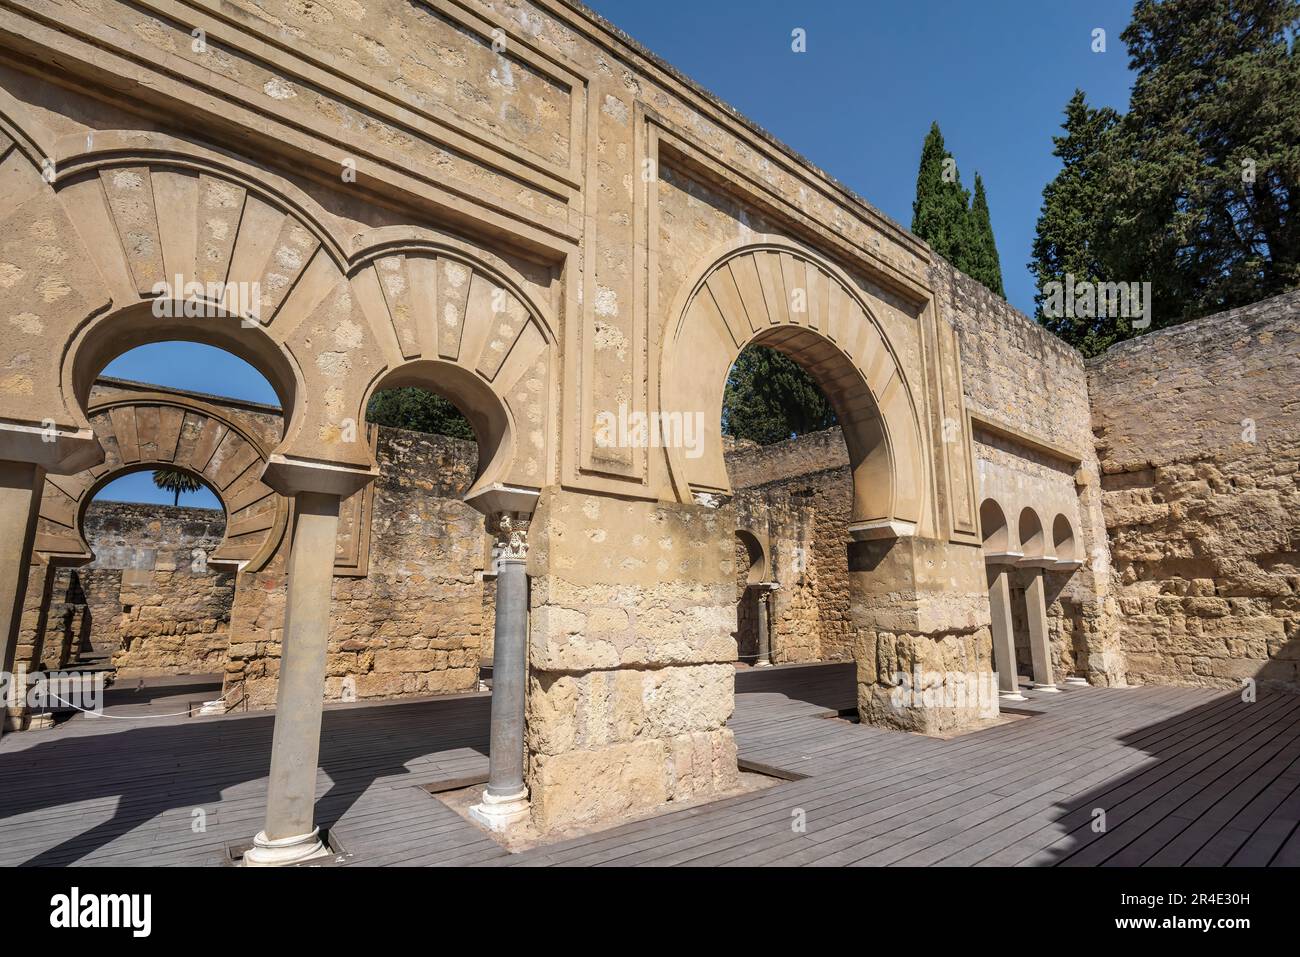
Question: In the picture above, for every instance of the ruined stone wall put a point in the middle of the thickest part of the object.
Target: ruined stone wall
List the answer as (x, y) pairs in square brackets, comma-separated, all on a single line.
[(1027, 393), (1198, 432), (413, 624), (149, 597), (800, 492)]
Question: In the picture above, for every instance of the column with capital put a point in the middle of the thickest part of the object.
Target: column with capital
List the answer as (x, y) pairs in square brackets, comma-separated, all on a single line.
[(505, 801)]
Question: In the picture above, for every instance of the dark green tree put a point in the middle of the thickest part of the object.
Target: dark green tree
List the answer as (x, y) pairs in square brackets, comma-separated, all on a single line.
[(418, 410), (176, 481), (1194, 189), (942, 215), (981, 258), (940, 210), (1073, 223), (769, 397), (1208, 174)]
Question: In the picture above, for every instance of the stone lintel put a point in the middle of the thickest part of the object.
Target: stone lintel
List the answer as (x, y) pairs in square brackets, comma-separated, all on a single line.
[(290, 475), (58, 451), (881, 528), (498, 497), (1003, 558)]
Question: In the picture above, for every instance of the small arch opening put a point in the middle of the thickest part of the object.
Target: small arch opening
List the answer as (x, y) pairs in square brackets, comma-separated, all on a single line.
[(1063, 539), (217, 355), (154, 601), (993, 525), (1032, 542)]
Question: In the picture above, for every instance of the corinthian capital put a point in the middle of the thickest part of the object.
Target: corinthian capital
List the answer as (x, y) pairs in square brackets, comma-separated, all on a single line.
[(512, 539)]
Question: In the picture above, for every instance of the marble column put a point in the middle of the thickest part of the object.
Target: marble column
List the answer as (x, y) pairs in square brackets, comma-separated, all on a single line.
[(505, 801), (1004, 637), (290, 834), (21, 484), (1040, 650), (764, 628)]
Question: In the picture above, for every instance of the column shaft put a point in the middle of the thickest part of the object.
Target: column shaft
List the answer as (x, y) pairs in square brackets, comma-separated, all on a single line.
[(1004, 638), (509, 677), (1040, 650), (21, 484), (764, 629), (290, 834)]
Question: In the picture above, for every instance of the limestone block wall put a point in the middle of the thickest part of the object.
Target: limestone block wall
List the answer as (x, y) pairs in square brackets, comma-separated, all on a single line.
[(414, 623), (631, 679), (1198, 433), (800, 492), (1027, 394), (148, 597)]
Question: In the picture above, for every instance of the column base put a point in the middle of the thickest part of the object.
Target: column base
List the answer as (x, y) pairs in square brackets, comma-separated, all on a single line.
[(501, 812), (1079, 682), (762, 663), (1049, 688), (285, 851), (1011, 696)]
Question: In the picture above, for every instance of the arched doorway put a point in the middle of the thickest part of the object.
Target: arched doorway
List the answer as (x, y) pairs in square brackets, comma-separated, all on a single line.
[(753, 608), (162, 597), (771, 293)]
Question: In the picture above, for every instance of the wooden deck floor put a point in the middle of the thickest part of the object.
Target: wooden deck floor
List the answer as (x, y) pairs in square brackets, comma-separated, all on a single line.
[(1184, 776)]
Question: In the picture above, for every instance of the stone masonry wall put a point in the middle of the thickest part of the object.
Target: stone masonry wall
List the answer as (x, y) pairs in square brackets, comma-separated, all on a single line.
[(1198, 432), (1017, 373), (801, 494), (631, 652), (149, 597), (414, 624)]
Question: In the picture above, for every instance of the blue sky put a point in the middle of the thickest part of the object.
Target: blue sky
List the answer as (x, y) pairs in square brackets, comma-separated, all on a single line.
[(995, 75)]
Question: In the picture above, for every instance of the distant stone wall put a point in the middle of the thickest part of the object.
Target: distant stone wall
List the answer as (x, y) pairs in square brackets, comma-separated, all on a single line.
[(1198, 431), (148, 598), (414, 624), (804, 509)]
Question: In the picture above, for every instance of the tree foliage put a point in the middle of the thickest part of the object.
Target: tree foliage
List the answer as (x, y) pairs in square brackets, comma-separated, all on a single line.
[(175, 481), (769, 397), (418, 410), (981, 257), (1194, 189), (945, 217), (1068, 241)]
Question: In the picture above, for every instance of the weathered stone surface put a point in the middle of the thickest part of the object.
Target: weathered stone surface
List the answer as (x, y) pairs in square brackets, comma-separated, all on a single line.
[(1199, 438), (554, 230)]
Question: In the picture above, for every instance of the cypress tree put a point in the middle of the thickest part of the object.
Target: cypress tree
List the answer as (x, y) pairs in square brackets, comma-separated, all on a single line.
[(982, 261), (1074, 221), (939, 212)]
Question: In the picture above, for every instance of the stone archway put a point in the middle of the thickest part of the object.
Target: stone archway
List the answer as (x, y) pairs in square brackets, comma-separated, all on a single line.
[(753, 621), (144, 431), (771, 292), (140, 431), (776, 294)]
